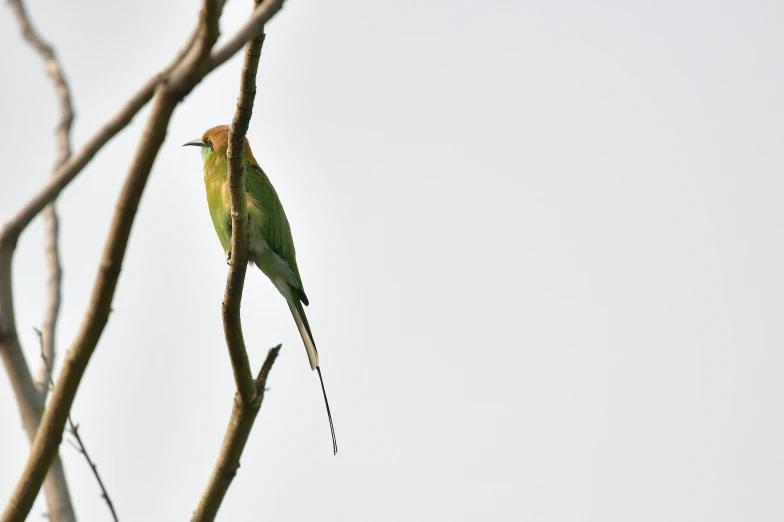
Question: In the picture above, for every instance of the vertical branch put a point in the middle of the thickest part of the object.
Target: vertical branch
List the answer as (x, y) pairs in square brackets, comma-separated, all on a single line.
[(232, 323), (58, 498), (250, 392), (51, 239), (51, 223)]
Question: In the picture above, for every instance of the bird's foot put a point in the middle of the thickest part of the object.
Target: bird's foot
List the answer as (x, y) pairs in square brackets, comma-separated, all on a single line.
[(228, 258)]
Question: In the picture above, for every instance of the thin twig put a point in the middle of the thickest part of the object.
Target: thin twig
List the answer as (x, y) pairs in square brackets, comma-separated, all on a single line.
[(54, 290), (73, 429)]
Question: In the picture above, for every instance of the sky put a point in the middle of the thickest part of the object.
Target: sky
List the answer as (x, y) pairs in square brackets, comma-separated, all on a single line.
[(541, 241)]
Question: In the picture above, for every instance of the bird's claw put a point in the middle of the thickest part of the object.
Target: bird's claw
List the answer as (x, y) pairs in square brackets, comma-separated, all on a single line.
[(228, 258)]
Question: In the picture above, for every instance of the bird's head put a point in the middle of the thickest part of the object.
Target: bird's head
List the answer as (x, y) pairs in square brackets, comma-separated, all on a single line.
[(215, 144)]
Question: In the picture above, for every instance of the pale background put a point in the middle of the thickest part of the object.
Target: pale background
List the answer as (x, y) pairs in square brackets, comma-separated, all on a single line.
[(542, 243)]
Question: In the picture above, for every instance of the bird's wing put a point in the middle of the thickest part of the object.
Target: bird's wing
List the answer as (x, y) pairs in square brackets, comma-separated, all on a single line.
[(273, 224)]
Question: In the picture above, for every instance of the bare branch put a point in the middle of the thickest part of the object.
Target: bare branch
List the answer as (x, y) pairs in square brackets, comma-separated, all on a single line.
[(54, 282), (250, 392), (232, 322), (73, 429), (58, 498), (55, 70), (240, 424)]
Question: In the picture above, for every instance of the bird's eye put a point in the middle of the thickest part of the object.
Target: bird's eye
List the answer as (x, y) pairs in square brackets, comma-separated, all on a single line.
[(208, 143)]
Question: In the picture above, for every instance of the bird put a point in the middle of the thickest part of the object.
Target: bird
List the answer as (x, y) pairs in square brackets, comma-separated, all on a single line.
[(270, 244)]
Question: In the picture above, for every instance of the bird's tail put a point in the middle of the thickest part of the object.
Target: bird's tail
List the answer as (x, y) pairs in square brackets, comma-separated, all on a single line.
[(310, 346)]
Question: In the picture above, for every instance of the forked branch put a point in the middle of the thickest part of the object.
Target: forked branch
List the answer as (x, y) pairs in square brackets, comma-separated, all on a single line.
[(240, 424)]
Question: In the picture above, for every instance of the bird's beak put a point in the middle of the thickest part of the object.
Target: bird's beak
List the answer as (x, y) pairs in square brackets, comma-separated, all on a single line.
[(195, 143)]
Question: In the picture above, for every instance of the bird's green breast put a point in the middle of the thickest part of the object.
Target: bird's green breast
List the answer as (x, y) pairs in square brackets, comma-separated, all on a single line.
[(219, 199)]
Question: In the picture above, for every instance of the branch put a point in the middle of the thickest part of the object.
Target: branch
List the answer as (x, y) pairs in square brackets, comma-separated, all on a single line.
[(57, 496), (250, 392), (54, 282), (232, 323), (240, 424), (55, 70), (73, 429)]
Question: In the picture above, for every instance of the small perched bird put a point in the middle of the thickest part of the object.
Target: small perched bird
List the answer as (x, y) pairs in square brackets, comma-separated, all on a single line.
[(270, 244)]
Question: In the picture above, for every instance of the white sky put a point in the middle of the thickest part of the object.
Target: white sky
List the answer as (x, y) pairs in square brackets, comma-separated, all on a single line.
[(541, 240)]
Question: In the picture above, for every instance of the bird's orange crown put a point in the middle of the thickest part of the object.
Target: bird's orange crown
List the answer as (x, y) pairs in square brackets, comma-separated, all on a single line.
[(218, 138)]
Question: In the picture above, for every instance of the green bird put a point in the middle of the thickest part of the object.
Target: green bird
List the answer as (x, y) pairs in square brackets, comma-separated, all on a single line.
[(270, 244)]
